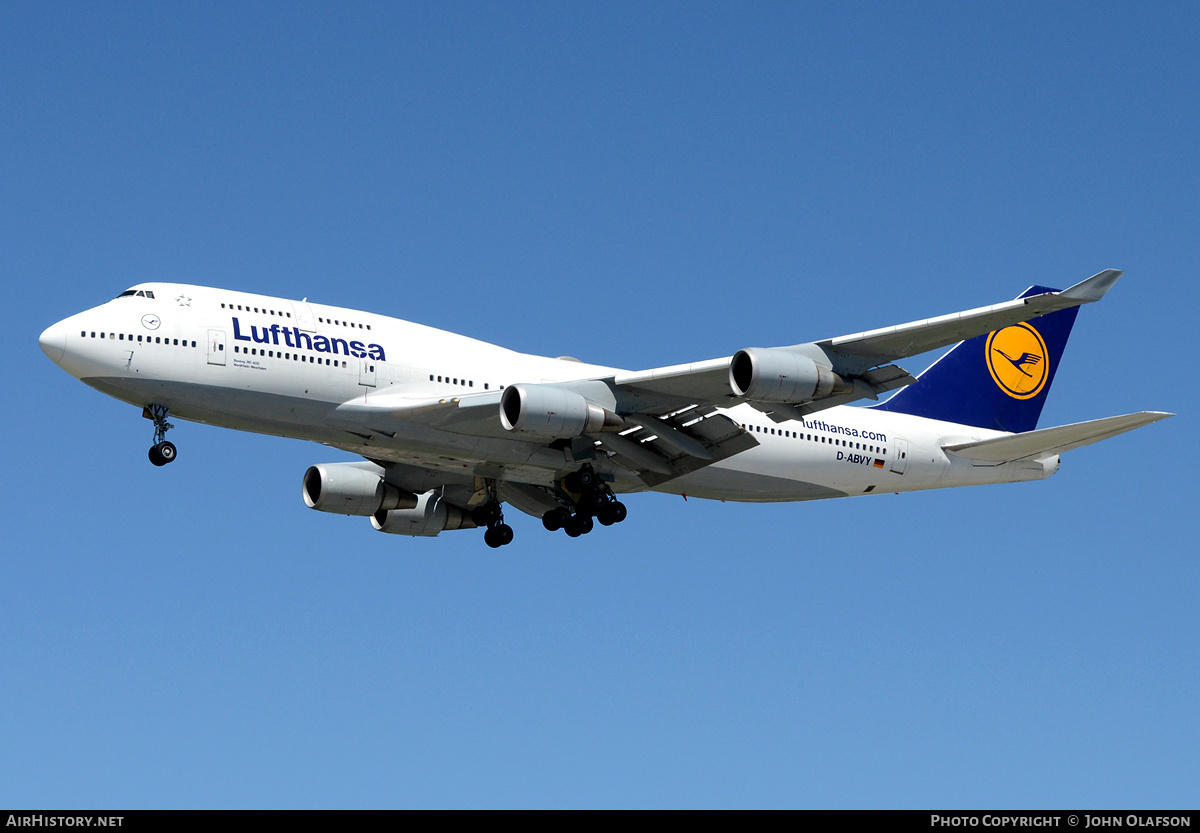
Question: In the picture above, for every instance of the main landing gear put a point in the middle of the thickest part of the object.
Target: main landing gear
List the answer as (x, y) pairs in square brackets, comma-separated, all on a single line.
[(162, 452), (491, 515), (590, 497)]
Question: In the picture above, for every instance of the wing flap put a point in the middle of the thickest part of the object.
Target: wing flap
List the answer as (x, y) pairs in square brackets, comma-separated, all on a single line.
[(1047, 441), (721, 436)]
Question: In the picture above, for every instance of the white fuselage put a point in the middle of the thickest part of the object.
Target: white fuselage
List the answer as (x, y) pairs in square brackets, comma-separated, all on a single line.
[(274, 366)]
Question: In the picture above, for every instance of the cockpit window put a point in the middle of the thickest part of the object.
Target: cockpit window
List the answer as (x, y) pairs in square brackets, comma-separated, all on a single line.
[(140, 293)]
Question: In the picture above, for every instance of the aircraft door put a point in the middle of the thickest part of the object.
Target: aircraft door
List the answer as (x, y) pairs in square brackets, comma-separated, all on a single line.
[(304, 316), (216, 347), (900, 460), (366, 372)]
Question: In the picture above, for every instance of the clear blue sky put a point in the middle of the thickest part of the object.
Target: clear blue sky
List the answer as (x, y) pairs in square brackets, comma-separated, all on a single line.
[(637, 185)]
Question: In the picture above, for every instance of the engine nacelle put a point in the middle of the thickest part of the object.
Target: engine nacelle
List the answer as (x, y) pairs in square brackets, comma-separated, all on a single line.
[(782, 376), (552, 411), (427, 518), (352, 489)]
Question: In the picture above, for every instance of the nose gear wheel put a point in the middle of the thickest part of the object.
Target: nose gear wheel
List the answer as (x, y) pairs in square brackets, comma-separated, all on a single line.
[(162, 452)]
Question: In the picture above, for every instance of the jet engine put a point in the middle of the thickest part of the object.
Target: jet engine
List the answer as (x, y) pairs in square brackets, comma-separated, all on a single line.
[(552, 411), (431, 514), (352, 489), (774, 375)]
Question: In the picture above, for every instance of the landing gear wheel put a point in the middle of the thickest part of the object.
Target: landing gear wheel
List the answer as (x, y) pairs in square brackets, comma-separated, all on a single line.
[(162, 453), (612, 513), (556, 519), (490, 513), (617, 511), (593, 503), (498, 535), (582, 480), (579, 525), (486, 514)]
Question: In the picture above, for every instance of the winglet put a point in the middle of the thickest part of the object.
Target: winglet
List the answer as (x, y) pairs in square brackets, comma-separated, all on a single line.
[(1093, 289)]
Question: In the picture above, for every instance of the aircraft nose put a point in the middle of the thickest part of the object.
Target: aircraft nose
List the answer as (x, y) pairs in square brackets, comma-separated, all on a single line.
[(53, 341)]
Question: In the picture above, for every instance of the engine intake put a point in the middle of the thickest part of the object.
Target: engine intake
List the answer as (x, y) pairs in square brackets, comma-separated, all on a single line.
[(552, 411), (352, 489), (431, 515), (774, 375)]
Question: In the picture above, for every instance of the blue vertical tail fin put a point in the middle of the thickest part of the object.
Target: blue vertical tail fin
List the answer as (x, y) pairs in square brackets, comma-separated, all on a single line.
[(998, 381)]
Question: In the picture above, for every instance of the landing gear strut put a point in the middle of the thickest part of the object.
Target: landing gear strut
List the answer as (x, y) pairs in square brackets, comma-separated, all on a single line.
[(491, 515), (162, 452), (590, 497)]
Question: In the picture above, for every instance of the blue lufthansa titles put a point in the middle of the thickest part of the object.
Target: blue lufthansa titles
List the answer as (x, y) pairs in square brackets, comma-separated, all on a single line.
[(317, 343)]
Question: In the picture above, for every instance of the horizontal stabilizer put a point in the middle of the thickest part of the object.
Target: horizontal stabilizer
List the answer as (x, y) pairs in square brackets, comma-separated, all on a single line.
[(1047, 441)]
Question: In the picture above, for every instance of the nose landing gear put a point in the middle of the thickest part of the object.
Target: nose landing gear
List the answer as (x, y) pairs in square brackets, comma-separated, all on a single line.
[(162, 452)]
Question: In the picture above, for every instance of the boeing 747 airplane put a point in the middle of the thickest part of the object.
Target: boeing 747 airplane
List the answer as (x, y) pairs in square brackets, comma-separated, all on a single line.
[(452, 428)]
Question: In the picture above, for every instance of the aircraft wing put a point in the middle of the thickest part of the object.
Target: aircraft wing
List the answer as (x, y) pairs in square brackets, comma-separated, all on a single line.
[(874, 347), (1046, 441), (862, 360)]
